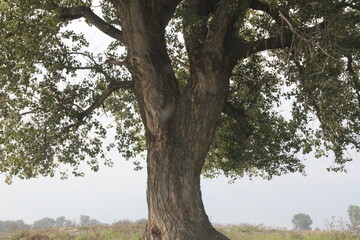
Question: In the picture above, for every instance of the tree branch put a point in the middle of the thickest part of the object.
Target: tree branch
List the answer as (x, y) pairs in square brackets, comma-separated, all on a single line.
[(284, 39), (96, 67), (80, 68), (221, 22), (113, 86), (167, 8), (116, 62), (70, 13), (242, 49)]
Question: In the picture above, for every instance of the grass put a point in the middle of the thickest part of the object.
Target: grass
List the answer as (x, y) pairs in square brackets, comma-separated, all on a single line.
[(126, 230), (251, 232)]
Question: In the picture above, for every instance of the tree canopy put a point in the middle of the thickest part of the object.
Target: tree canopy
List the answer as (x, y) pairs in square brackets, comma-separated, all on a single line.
[(301, 53)]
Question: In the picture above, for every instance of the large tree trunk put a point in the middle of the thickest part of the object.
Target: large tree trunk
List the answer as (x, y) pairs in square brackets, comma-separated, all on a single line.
[(179, 126), (175, 206), (176, 154)]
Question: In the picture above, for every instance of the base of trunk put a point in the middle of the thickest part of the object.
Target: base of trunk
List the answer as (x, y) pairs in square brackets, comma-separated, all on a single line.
[(183, 232)]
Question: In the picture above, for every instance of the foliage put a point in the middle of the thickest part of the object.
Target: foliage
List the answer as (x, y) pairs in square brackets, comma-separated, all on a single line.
[(301, 221), (354, 217), (51, 87)]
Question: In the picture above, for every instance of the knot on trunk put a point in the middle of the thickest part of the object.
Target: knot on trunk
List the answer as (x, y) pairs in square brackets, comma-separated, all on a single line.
[(155, 230)]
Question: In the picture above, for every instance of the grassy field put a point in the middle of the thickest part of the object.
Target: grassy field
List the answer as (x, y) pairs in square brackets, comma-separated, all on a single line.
[(132, 231)]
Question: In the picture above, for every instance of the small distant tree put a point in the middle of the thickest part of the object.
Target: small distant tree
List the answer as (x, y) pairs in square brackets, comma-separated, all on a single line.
[(302, 221), (86, 221), (59, 222), (63, 222), (44, 223), (354, 217)]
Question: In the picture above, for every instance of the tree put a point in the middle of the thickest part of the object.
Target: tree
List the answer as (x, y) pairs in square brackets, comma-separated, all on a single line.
[(45, 222), (86, 221), (198, 84), (63, 222), (354, 217), (302, 221)]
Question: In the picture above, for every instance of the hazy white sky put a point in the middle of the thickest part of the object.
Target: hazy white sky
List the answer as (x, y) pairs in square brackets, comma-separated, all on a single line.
[(119, 193)]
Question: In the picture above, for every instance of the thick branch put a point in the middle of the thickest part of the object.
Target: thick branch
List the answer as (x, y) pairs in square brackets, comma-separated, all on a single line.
[(220, 24), (85, 12), (242, 49), (282, 41), (167, 9), (196, 24)]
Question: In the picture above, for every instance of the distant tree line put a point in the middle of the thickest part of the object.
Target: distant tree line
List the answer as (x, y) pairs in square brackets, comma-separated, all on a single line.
[(19, 225), (13, 226)]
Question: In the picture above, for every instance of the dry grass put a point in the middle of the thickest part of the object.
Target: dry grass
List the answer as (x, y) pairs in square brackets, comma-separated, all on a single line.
[(251, 232)]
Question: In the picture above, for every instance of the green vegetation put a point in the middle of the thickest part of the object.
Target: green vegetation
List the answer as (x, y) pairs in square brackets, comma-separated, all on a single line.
[(126, 230)]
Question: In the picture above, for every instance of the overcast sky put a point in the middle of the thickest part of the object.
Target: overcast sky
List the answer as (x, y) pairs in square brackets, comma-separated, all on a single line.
[(119, 193)]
